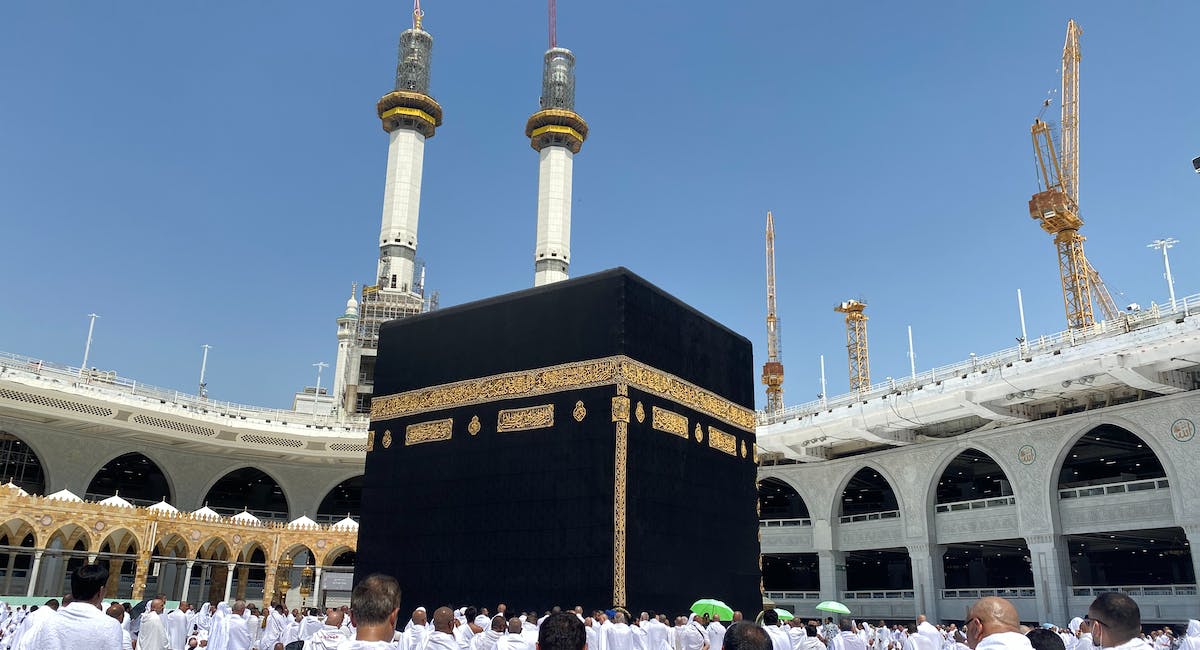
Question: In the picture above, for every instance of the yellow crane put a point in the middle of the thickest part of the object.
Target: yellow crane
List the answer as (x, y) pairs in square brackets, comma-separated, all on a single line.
[(772, 373), (1056, 205), (856, 343)]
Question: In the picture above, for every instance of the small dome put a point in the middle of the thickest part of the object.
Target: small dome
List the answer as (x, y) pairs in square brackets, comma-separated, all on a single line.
[(13, 486), (244, 517), (206, 512), (302, 522), (64, 495), (163, 506), (117, 501), (346, 524)]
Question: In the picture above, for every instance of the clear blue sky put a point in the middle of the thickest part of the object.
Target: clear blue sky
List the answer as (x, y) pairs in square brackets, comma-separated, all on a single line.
[(213, 172)]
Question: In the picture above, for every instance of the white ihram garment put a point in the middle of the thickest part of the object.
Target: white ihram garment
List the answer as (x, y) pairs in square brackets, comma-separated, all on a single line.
[(153, 635)]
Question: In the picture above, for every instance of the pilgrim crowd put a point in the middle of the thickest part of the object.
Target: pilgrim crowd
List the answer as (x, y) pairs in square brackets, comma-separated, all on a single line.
[(84, 620)]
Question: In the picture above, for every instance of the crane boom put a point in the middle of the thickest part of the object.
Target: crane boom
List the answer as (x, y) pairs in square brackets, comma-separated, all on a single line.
[(772, 374), (1070, 111), (856, 344)]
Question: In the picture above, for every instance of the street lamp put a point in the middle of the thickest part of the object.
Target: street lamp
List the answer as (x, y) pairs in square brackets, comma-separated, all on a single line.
[(1163, 245)]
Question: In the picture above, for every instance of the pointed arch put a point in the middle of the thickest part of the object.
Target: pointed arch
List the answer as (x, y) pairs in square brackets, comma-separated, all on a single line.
[(213, 548), (870, 490), (250, 488), (21, 464), (119, 541), (136, 477), (1107, 453), (342, 500), (338, 556), (969, 474), (777, 499)]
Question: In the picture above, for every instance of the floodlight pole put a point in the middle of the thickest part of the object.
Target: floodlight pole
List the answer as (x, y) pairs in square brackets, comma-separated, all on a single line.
[(1163, 245), (87, 348), (203, 367)]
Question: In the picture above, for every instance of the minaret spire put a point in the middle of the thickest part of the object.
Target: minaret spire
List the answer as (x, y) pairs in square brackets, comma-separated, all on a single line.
[(417, 14), (557, 133)]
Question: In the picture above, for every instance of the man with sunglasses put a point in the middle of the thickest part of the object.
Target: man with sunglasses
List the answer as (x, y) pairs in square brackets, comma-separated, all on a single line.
[(992, 624), (1113, 622)]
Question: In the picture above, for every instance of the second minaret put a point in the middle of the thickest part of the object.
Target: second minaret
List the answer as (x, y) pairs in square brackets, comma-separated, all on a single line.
[(557, 133)]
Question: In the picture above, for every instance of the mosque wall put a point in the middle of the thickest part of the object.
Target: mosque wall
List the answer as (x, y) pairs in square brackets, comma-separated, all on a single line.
[(71, 457), (1031, 455)]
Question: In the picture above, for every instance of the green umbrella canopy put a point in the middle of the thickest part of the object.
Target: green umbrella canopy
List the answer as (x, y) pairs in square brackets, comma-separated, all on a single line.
[(833, 607), (713, 608), (784, 615)]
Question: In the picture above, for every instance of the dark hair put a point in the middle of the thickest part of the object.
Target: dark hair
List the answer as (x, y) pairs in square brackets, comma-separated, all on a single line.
[(374, 599), (845, 624), (770, 617), (88, 580), (1119, 615), (470, 613), (745, 635), (1042, 639), (561, 632), (810, 631)]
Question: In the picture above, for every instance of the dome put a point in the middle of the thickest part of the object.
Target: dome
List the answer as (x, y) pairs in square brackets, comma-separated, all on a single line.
[(244, 517), (302, 522), (206, 512), (13, 486), (117, 501), (163, 506), (64, 495), (351, 304), (346, 524)]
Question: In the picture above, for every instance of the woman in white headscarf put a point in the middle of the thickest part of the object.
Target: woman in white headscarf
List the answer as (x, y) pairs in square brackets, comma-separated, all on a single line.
[(218, 629)]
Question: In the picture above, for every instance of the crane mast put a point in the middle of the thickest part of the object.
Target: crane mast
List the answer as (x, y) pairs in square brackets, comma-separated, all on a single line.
[(1056, 205), (856, 343), (772, 374)]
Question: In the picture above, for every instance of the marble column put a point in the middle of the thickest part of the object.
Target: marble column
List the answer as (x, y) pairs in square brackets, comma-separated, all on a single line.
[(831, 567), (229, 582), (33, 573), (1051, 576), (929, 578), (187, 580), (243, 578), (317, 586), (1193, 536)]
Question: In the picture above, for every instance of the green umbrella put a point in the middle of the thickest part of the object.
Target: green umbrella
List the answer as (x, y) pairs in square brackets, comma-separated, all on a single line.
[(784, 615), (713, 608), (833, 607)]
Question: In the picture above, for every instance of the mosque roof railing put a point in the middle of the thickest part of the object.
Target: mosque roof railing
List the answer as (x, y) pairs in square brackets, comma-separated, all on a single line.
[(101, 382), (1128, 322)]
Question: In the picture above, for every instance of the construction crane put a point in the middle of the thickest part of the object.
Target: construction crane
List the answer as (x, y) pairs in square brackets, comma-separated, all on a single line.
[(772, 373), (856, 343), (1056, 205)]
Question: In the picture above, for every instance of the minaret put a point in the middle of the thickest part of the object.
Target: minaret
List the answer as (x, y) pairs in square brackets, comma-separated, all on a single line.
[(347, 330), (410, 116), (557, 133)]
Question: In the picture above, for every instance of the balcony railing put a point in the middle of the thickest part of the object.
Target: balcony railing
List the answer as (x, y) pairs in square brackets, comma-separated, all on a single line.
[(793, 595), (1115, 488), (1138, 590), (869, 516), (877, 595), (982, 363), (775, 523), (1009, 593), (977, 504)]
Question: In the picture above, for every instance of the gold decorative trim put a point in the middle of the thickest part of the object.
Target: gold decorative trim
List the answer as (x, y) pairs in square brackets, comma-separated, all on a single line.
[(718, 439), (570, 376), (533, 417), (699, 433), (432, 431), (640, 413), (579, 411), (473, 426), (387, 439), (370, 441), (620, 409), (669, 421), (620, 457)]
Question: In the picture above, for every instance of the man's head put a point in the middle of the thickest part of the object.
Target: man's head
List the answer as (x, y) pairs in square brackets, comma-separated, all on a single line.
[(988, 616), (770, 617), (418, 616), (1044, 639), (158, 604), (561, 632), (184, 606), (499, 625), (1115, 619), (375, 601), (920, 619), (87, 582), (501, 608), (443, 620), (737, 616), (845, 625), (514, 625), (239, 607), (746, 636), (334, 618), (52, 604), (116, 611)]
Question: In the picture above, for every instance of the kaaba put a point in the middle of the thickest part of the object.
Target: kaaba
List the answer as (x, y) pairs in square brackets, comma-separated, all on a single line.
[(586, 442)]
